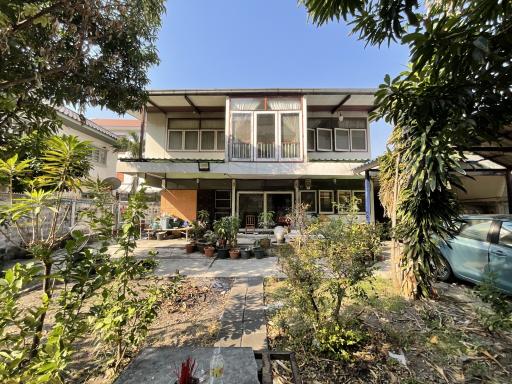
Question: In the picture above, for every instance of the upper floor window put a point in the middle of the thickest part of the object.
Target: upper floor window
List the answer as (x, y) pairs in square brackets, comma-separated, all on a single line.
[(334, 135), (195, 135), (266, 129), (98, 155)]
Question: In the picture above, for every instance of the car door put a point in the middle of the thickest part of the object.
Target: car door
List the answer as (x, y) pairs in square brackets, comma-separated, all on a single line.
[(500, 257), (469, 253)]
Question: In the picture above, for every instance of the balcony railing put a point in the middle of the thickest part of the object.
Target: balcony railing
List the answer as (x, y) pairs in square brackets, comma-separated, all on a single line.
[(240, 150), (265, 151), (290, 150)]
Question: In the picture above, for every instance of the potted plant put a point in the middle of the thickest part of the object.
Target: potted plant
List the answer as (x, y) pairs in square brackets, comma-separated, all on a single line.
[(265, 221), (259, 252), (209, 250), (203, 217), (221, 230), (190, 247), (197, 234), (233, 225), (245, 253), (186, 374)]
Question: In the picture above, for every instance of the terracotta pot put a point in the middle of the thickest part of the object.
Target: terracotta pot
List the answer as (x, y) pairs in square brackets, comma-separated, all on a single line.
[(234, 253), (189, 248), (209, 251)]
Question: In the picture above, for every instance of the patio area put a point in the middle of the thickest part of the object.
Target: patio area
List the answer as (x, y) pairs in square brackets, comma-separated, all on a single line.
[(172, 257)]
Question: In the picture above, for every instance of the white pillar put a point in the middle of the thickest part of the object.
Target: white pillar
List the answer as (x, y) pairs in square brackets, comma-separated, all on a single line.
[(233, 197)]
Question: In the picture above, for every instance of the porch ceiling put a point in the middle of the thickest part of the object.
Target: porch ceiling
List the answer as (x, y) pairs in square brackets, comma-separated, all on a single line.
[(214, 100)]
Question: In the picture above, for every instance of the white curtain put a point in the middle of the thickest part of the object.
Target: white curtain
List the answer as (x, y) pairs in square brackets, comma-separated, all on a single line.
[(283, 104), (245, 104)]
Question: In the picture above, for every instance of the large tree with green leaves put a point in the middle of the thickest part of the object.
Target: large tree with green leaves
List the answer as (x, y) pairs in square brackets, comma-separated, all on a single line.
[(455, 94), (55, 52)]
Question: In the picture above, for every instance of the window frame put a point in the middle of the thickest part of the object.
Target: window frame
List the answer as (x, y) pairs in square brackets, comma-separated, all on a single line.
[(365, 140), (489, 232), (315, 199), (215, 145), (320, 203), (338, 198), (232, 135), (314, 139), (280, 137), (199, 140), (363, 201), (498, 241), (318, 149), (95, 155), (349, 136), (277, 131)]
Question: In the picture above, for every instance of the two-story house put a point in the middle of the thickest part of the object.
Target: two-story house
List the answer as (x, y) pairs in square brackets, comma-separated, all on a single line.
[(246, 151), (103, 156)]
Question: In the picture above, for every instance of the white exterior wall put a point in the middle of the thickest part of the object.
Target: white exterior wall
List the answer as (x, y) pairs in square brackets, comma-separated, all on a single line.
[(156, 143), (99, 170), (156, 140)]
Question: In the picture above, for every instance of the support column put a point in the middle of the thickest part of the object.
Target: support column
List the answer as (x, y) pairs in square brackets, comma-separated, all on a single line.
[(297, 193), (367, 196), (233, 197), (142, 132), (508, 178)]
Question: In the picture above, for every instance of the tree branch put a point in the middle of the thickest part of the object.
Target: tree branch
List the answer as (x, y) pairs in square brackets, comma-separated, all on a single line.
[(29, 20)]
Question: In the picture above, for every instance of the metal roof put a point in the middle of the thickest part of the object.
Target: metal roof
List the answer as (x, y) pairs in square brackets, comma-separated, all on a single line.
[(214, 100), (500, 151)]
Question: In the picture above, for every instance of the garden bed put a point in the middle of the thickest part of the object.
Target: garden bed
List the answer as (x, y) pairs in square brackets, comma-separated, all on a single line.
[(443, 341), (191, 317)]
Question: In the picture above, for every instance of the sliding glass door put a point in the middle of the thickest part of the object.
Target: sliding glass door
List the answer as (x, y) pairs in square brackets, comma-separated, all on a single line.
[(252, 204)]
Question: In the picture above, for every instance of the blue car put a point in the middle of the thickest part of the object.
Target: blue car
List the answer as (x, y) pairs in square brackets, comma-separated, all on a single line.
[(484, 243)]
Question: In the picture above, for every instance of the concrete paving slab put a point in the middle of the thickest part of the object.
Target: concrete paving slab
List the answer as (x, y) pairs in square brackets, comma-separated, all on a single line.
[(256, 341)]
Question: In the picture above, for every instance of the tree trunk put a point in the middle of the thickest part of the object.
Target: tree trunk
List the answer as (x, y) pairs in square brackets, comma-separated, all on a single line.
[(395, 248), (36, 340)]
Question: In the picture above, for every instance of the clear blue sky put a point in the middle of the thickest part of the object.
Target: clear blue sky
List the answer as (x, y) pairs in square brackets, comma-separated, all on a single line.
[(265, 43)]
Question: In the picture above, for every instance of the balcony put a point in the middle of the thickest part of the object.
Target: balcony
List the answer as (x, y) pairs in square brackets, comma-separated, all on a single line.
[(266, 130)]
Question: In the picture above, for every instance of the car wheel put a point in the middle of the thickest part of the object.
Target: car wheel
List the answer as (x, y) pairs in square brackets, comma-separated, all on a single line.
[(444, 271)]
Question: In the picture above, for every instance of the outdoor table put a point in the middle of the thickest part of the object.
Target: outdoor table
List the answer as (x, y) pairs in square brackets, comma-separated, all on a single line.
[(174, 229), (158, 365)]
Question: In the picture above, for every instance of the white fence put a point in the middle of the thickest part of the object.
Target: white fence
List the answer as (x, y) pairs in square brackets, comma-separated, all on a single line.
[(70, 216)]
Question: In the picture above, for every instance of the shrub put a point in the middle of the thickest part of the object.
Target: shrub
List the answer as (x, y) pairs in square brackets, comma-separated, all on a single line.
[(500, 316), (324, 266), (337, 341)]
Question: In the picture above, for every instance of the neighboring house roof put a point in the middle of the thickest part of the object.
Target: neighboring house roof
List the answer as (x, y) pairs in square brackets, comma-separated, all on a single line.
[(73, 120)]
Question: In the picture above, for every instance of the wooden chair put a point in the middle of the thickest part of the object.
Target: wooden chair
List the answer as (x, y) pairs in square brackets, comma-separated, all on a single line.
[(250, 223)]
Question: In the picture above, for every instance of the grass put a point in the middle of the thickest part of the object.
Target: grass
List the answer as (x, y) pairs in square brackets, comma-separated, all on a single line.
[(443, 341)]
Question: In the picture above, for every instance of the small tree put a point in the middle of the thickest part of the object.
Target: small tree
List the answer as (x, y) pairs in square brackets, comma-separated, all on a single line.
[(130, 144), (323, 267), (66, 271)]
